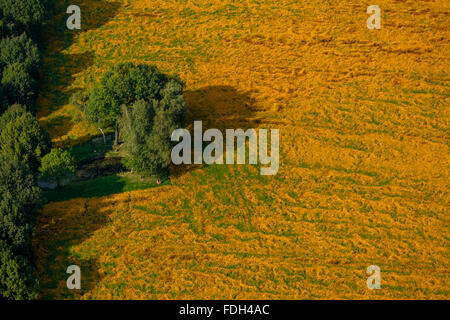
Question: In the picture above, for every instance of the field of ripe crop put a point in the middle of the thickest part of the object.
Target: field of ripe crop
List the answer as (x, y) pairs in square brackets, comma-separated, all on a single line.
[(364, 152)]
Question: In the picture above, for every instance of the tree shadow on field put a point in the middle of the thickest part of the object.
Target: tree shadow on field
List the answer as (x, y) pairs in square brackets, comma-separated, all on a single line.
[(58, 234), (218, 107), (60, 67)]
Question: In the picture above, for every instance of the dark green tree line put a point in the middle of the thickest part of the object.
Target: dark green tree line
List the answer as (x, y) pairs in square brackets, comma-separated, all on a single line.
[(23, 143)]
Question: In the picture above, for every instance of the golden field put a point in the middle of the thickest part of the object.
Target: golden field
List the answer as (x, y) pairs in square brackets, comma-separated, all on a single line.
[(364, 153)]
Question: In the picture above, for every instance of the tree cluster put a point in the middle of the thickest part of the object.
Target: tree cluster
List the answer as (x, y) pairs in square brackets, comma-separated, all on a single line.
[(142, 103), (20, 24)]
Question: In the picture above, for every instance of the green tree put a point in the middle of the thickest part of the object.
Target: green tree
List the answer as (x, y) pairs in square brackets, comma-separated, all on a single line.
[(20, 198), (23, 15), (20, 49), (147, 128), (14, 111), (18, 203), (17, 281), (124, 84), (137, 124), (22, 138), (57, 165), (18, 85)]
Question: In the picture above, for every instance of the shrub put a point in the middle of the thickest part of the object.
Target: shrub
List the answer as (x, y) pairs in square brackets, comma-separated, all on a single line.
[(57, 165)]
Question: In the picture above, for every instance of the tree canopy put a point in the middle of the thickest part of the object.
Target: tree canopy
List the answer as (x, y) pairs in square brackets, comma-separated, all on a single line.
[(125, 84), (147, 127), (23, 143), (57, 165), (22, 138), (20, 49), (18, 85), (19, 199), (23, 15)]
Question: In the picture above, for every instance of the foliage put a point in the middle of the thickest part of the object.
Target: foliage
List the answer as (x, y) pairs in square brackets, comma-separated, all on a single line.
[(20, 197), (23, 15), (22, 144), (20, 49), (18, 85), (363, 117), (3, 101), (57, 165), (147, 127), (13, 112), (19, 55), (22, 138), (123, 85), (17, 280)]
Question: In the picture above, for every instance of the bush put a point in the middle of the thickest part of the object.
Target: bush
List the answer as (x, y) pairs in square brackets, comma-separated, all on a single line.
[(57, 165)]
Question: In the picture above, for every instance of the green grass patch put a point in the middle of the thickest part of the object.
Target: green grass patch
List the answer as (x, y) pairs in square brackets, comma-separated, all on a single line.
[(90, 150), (100, 187)]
